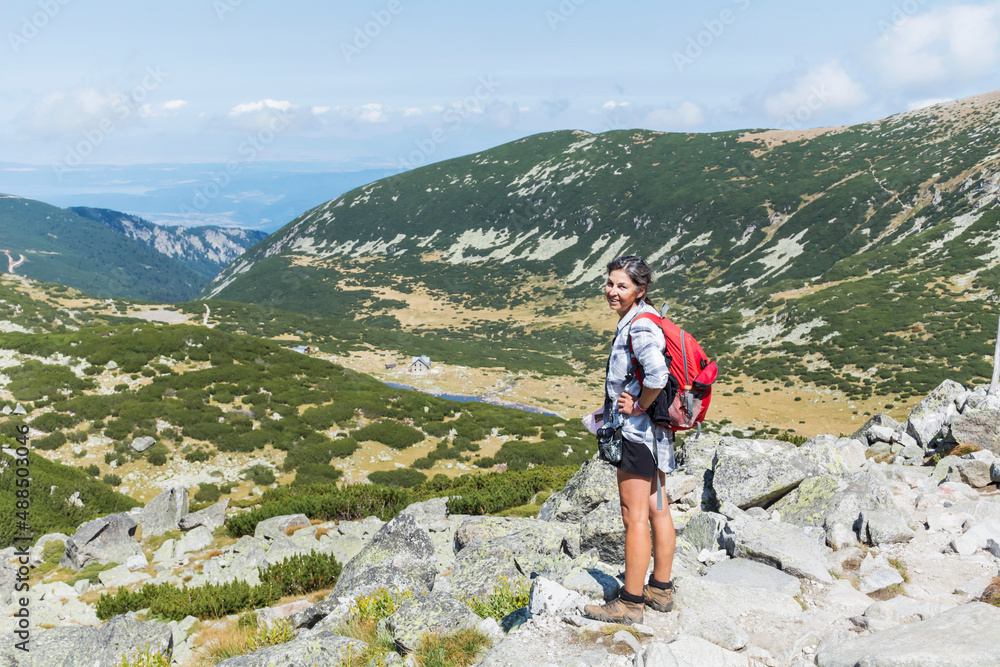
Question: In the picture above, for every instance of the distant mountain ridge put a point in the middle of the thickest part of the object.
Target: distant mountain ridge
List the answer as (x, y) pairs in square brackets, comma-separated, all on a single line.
[(205, 250), (834, 254)]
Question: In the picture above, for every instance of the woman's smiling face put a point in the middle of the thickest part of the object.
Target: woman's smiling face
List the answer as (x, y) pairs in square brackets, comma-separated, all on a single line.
[(620, 292)]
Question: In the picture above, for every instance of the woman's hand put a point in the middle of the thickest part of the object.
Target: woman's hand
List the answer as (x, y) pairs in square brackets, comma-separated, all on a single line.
[(628, 404)]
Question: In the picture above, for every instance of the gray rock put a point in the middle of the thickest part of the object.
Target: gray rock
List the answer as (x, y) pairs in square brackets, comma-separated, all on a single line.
[(884, 527), (882, 434), (163, 512), (547, 598), (977, 537), (880, 419), (704, 530), (103, 646), (603, 529), (108, 539), (973, 472), (910, 454), (401, 555), (8, 578), (198, 539), (879, 579), (437, 613), (778, 544), (592, 584), (943, 468), (979, 427), (276, 526), (595, 483), (690, 651), (120, 576), (143, 443), (752, 574), (964, 636), (536, 546), (211, 517), (39, 549), (934, 411), (306, 650), (428, 511), (338, 609), (718, 612)]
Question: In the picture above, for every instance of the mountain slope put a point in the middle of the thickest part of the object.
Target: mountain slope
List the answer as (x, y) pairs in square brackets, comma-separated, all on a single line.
[(204, 250), (60, 246), (834, 254)]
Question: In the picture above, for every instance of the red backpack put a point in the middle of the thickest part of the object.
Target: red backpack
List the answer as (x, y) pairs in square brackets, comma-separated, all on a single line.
[(684, 401)]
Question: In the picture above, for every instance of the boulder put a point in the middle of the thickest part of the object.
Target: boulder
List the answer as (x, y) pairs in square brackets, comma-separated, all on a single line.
[(103, 646), (979, 427), (428, 511), (974, 472), (437, 613), (883, 527), (163, 512), (143, 443), (120, 575), (704, 530), (934, 411), (108, 539), (751, 574), (401, 555), (197, 539), (977, 537), (880, 420), (39, 548), (276, 526), (963, 636), (604, 530), (779, 544), (534, 546), (547, 598), (596, 482), (309, 648), (211, 517), (690, 651), (880, 578)]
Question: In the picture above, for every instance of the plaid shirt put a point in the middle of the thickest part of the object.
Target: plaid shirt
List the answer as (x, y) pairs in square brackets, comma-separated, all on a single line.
[(648, 343)]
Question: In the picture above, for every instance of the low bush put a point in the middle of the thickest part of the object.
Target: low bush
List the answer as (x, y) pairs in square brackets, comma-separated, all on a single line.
[(389, 433), (260, 474), (295, 576), (112, 479), (502, 600), (404, 477), (207, 493)]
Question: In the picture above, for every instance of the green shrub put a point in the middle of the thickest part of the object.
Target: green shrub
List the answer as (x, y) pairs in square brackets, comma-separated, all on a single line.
[(260, 474), (316, 474), (207, 493), (403, 477), (390, 433), (50, 442), (112, 479), (502, 600), (197, 456), (93, 470)]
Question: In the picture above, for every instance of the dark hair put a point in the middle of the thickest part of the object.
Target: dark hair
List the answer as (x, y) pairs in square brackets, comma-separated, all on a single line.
[(637, 270)]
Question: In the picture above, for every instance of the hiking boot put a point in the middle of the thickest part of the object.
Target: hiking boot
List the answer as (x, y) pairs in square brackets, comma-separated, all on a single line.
[(616, 611), (660, 599)]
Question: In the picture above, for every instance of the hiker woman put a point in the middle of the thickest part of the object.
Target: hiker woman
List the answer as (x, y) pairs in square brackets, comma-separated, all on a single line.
[(647, 449)]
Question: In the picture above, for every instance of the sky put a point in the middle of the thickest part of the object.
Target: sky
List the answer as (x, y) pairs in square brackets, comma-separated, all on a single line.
[(396, 84)]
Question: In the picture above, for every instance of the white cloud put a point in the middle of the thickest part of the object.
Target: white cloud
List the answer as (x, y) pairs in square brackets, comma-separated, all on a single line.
[(412, 111), (319, 111), (687, 115), (255, 107), (374, 112), (64, 114), (943, 43), (611, 105), (174, 105), (827, 87), (923, 104)]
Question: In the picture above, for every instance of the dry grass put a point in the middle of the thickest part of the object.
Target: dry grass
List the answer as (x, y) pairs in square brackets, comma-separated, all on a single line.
[(963, 449), (992, 593)]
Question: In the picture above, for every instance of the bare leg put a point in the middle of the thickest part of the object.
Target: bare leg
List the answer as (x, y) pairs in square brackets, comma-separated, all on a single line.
[(664, 538), (634, 493)]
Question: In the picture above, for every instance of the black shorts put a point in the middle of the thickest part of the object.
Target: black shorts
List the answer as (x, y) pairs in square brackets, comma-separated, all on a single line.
[(637, 459)]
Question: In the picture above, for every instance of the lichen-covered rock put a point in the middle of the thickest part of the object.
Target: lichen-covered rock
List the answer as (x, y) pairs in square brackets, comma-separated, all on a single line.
[(536, 546), (882, 420), (778, 544), (704, 530), (401, 555), (108, 539), (596, 482), (882, 527), (437, 613), (163, 512), (603, 529), (979, 427), (197, 539), (974, 472), (102, 646), (310, 648)]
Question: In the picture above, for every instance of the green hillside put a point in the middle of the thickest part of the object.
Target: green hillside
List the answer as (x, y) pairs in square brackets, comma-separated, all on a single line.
[(838, 256), (62, 247)]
